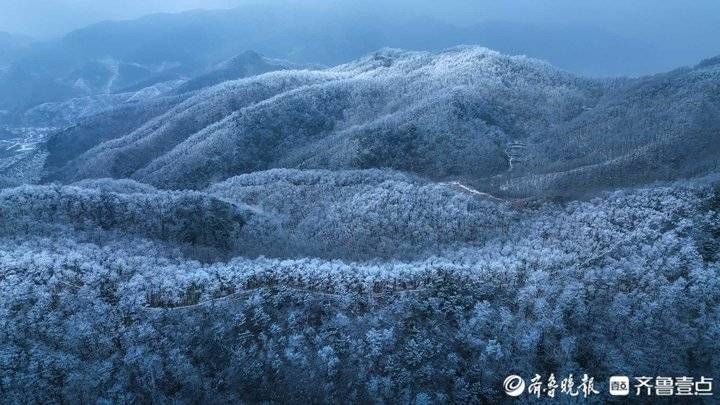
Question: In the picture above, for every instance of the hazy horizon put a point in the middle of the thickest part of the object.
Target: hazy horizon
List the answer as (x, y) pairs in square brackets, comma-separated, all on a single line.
[(640, 19), (42, 19), (671, 34)]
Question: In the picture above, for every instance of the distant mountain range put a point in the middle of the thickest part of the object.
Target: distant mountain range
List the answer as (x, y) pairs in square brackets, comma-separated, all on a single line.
[(65, 113), (110, 57), (10, 48)]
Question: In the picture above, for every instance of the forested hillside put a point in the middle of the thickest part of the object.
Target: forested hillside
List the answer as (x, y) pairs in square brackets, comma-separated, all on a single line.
[(409, 227), (109, 310), (507, 125)]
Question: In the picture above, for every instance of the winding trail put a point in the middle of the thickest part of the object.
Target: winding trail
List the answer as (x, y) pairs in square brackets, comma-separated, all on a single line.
[(470, 190)]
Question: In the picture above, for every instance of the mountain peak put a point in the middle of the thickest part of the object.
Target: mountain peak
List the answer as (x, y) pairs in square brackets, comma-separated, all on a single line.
[(242, 60)]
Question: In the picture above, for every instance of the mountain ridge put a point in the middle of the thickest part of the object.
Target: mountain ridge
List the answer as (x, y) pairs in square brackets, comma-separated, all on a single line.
[(166, 47), (502, 124)]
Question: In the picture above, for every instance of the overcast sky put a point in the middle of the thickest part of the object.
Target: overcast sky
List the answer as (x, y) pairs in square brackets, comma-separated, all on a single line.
[(690, 23), (44, 18)]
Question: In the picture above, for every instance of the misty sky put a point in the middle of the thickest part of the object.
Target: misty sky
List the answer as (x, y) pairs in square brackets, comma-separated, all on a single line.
[(661, 18), (673, 24), (45, 18)]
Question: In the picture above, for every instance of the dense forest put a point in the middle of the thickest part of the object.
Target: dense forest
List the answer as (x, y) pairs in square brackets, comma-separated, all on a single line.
[(131, 301), (506, 125), (410, 227)]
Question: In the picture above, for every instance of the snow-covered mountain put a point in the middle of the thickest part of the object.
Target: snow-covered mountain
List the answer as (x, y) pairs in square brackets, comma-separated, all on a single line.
[(508, 125), (383, 231), (112, 56), (67, 113)]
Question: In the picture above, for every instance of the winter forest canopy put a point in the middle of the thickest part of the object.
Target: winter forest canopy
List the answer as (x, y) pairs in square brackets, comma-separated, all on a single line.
[(401, 227)]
